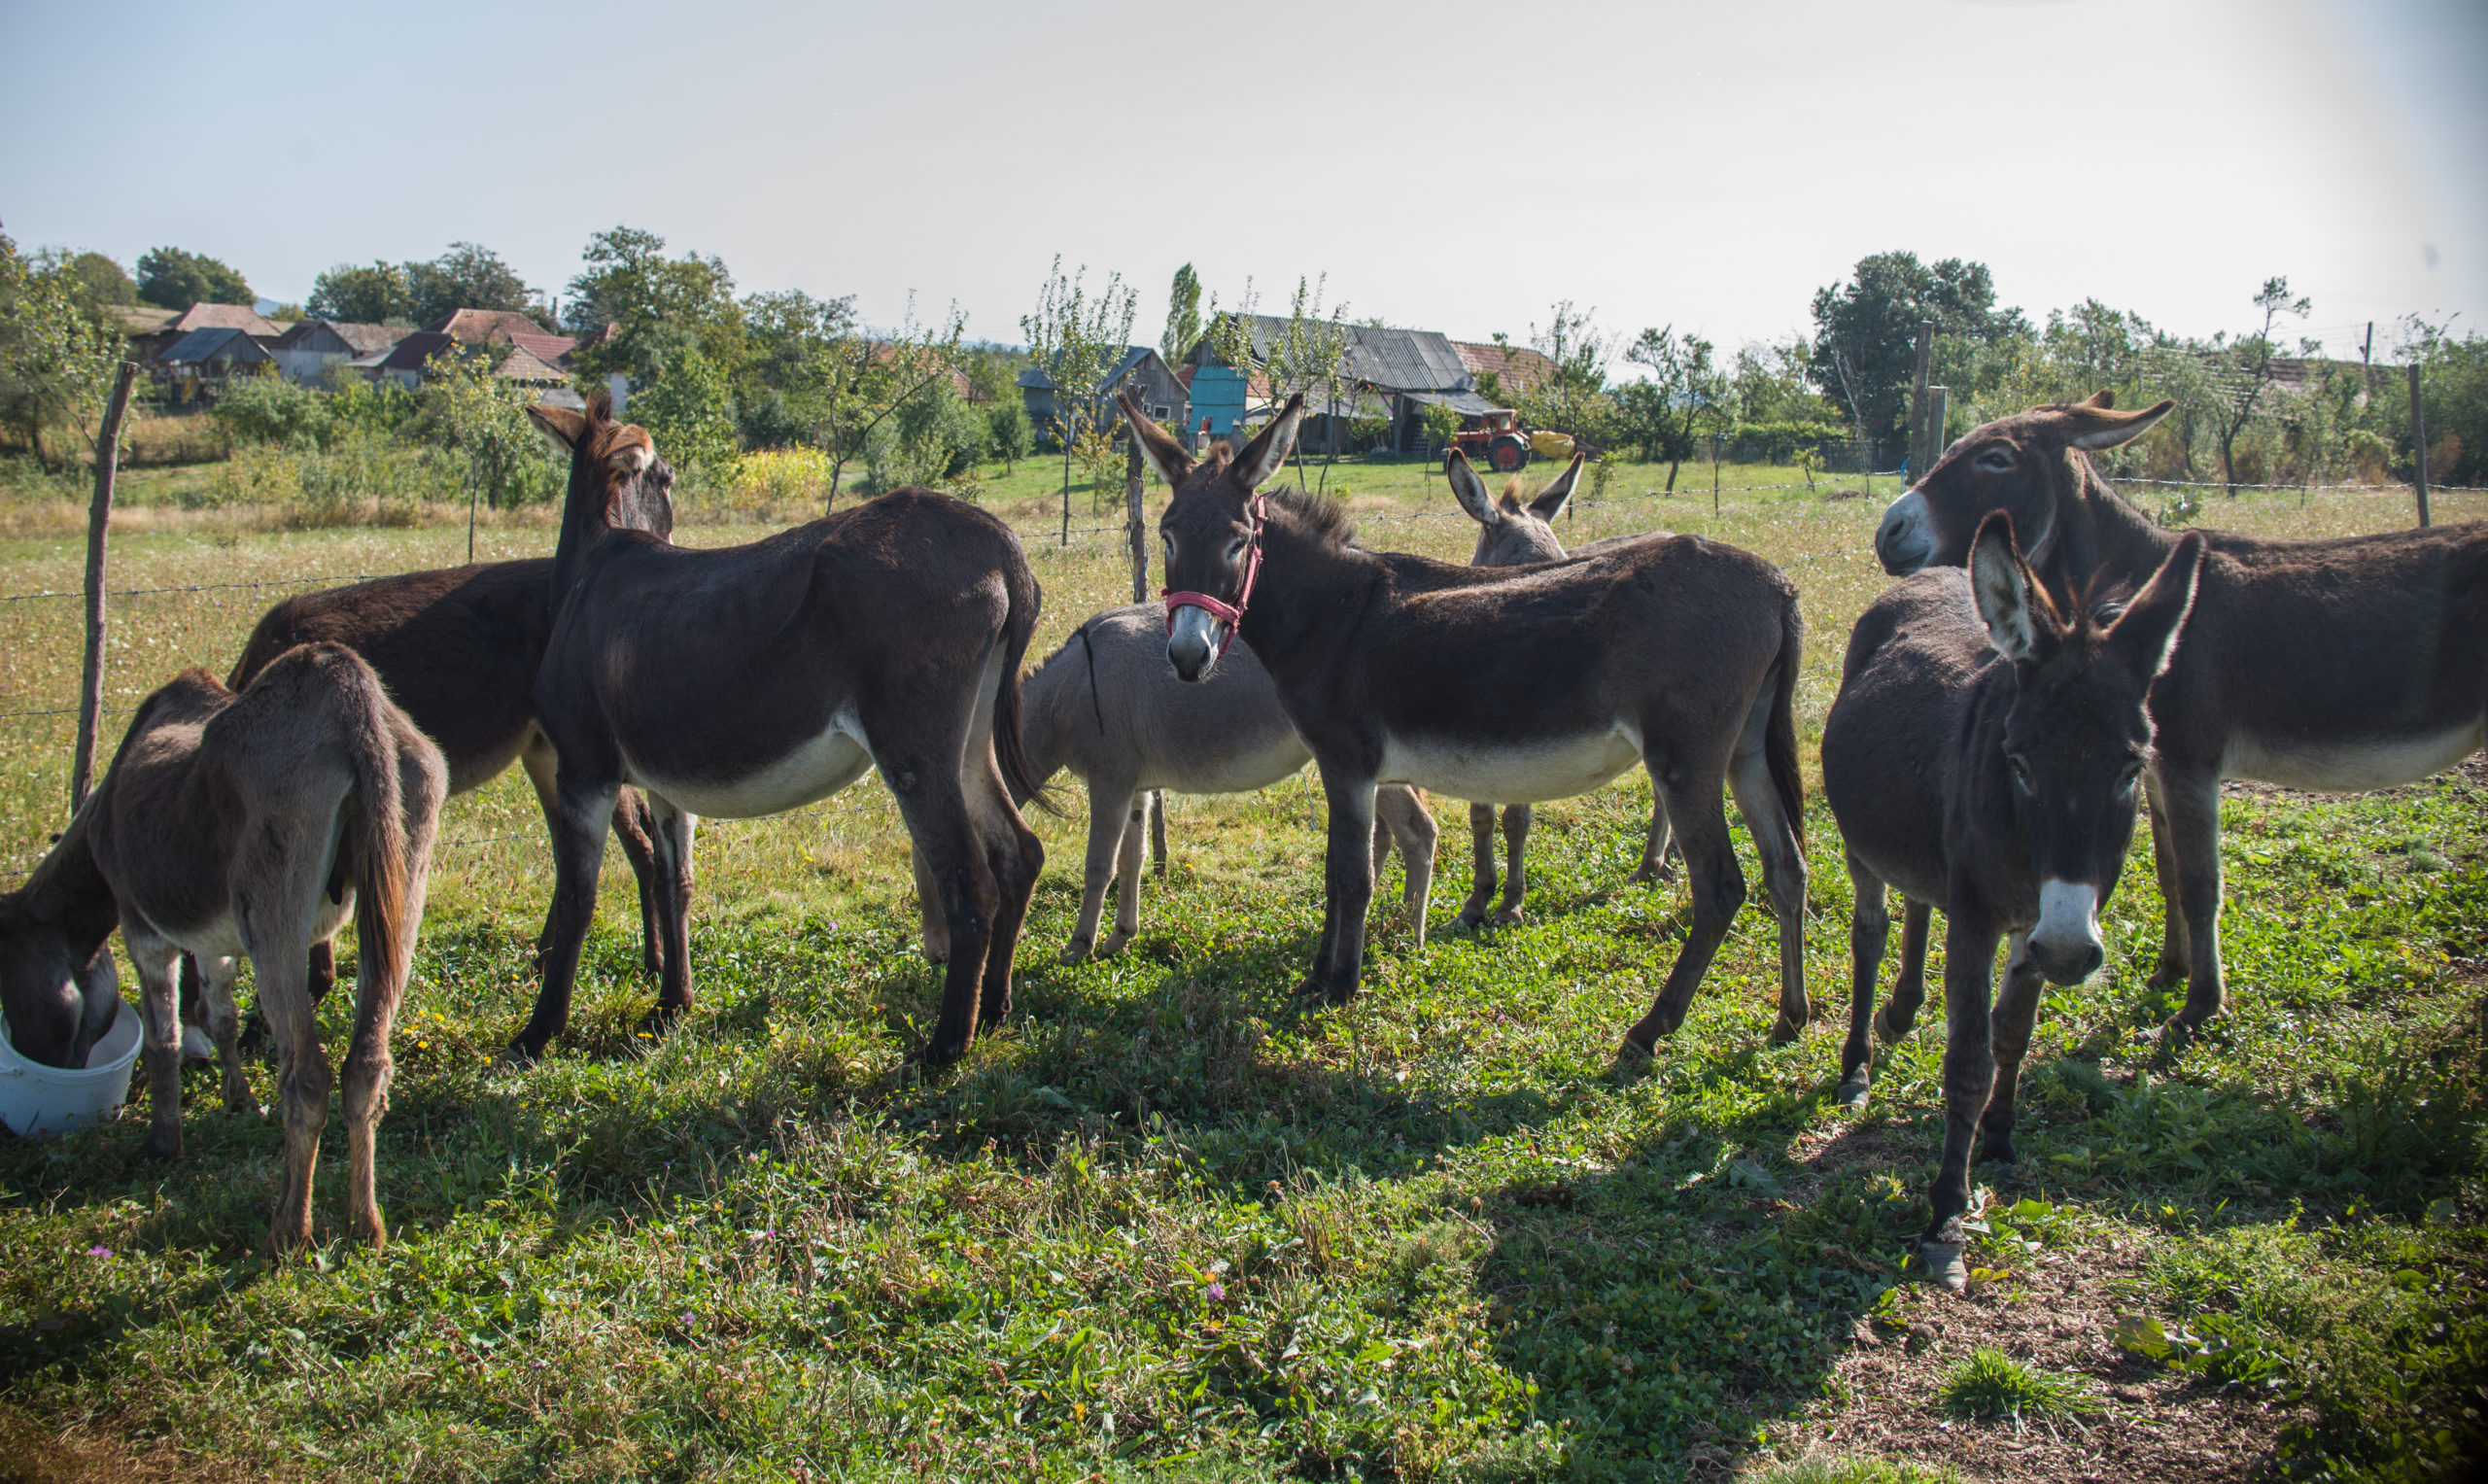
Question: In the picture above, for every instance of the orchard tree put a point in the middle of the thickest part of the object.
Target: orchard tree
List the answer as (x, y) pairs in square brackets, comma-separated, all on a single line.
[(170, 278), (1662, 412), (1866, 334), (1571, 397), (1076, 339), (56, 358), (376, 294), (2246, 368), (1182, 316)]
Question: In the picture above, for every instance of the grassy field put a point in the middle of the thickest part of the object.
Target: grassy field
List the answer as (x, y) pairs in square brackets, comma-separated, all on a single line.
[(1167, 1225)]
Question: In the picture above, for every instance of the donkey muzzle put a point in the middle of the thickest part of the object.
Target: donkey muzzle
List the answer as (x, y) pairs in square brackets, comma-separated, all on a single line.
[(1193, 642), (2065, 945), (1902, 542)]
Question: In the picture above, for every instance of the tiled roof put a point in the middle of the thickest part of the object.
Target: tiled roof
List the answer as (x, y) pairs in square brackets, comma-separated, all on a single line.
[(222, 342), (547, 348), (241, 316), (482, 326), (1516, 368)]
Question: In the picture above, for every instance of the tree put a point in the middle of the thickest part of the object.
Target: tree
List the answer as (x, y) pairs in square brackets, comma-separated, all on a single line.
[(660, 308), (173, 279), (1077, 341), (468, 276), (1307, 356), (1866, 334), (56, 360), (2245, 371), (377, 294), (104, 280), (1182, 316), (1012, 432), (464, 408), (1570, 399), (1663, 411), (690, 412)]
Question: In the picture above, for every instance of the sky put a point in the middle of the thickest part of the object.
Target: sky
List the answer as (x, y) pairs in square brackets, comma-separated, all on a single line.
[(1448, 166)]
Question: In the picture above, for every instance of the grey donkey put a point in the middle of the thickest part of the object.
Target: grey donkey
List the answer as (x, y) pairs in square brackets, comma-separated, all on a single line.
[(1107, 706), (1513, 533)]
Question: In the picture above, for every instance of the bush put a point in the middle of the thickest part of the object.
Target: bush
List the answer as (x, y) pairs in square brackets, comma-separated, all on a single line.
[(769, 422), (933, 438), (690, 412), (468, 412), (1781, 442), (1013, 434), (271, 412)]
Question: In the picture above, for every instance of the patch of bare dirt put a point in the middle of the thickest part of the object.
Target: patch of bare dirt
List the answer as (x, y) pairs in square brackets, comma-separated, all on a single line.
[(2054, 1312)]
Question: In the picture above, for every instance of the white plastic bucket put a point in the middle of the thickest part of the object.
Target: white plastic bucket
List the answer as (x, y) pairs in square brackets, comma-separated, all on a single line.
[(37, 1099)]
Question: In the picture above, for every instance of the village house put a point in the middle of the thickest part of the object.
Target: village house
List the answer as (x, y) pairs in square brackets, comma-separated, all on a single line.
[(1141, 372), (148, 347), (305, 352), (200, 362), (1386, 377)]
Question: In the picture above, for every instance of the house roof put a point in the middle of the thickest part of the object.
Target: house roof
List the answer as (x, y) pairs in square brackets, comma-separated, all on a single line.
[(963, 388), (482, 326), (1465, 403), (1132, 358), (417, 348), (1515, 367), (1386, 359), (359, 339), (241, 316), (521, 365), (218, 343), (547, 348)]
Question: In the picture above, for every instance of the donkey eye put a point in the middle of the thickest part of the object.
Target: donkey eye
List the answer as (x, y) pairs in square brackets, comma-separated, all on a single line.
[(1170, 546), (1235, 549), (2021, 772), (2131, 775), (1997, 461)]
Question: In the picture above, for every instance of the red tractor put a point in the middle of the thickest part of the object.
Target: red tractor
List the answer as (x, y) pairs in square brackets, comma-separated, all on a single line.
[(1497, 443)]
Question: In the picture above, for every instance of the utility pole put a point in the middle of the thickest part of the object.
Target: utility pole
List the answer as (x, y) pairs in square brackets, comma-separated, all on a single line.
[(2366, 360)]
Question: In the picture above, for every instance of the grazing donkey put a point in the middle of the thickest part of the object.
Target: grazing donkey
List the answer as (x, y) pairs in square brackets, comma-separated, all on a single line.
[(1985, 754), (233, 825), (1511, 684), (1106, 706), (458, 649), (1513, 534), (2337, 665), (749, 680)]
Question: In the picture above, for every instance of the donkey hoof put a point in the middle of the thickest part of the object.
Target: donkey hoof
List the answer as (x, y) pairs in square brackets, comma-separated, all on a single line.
[(1888, 1029), (162, 1143), (1784, 1030), (1943, 1265), (517, 1056), (1997, 1149), (1508, 916), (1115, 943), (1852, 1092), (1077, 950)]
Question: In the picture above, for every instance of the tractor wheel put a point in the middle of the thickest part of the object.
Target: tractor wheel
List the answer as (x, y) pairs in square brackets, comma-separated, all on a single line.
[(1508, 456)]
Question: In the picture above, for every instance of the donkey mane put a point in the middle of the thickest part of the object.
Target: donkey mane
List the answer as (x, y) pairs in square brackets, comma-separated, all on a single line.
[(1325, 516)]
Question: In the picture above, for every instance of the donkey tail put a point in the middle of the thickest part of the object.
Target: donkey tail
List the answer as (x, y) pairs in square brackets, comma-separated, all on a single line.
[(1779, 732), (1010, 736), (382, 932)]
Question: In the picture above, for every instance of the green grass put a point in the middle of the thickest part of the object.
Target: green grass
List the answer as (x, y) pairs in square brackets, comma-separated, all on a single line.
[(1166, 1224), (1992, 1386)]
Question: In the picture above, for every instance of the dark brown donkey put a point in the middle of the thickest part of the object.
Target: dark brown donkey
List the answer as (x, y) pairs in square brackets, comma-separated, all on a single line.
[(751, 680), (2337, 666), (1985, 754), (1513, 533), (458, 649), (1504, 685), (232, 826)]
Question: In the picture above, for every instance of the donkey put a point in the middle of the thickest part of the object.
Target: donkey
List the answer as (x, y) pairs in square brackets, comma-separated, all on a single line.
[(1507, 686), (1986, 753), (749, 680), (232, 825), (1106, 706), (458, 649), (1511, 533), (2338, 666)]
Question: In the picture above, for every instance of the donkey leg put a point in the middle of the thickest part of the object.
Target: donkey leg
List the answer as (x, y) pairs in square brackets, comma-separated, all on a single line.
[(929, 913), (581, 821), (1015, 857), (1158, 828), (1654, 850), (160, 1018), (636, 827), (216, 992), (2017, 1011), (2176, 963), (673, 830), (1909, 985), (1411, 826), (1481, 881), (1784, 876), (1718, 889), (1348, 883), (1516, 823), (1128, 862), (1109, 812), (1969, 1078), (2193, 817), (924, 769), (1870, 927)]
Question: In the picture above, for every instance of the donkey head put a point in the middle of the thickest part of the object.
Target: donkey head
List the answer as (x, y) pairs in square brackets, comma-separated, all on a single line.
[(2077, 736), (1212, 530), (2022, 464), (617, 480), (57, 1001), (1511, 533)]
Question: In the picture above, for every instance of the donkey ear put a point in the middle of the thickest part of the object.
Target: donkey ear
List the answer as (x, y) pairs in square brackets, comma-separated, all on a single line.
[(2096, 425), (1259, 461), (2000, 581), (559, 424), (1550, 500), (2146, 633), (1471, 490), (1164, 453)]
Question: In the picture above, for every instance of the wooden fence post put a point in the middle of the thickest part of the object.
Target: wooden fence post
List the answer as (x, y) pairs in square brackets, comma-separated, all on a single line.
[(99, 519), (1133, 487), (1919, 456), (2419, 439), (1939, 404)]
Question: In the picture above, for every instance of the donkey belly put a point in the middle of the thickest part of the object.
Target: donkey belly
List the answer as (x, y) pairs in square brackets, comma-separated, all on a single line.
[(1526, 772), (2343, 768), (812, 769), (1228, 765)]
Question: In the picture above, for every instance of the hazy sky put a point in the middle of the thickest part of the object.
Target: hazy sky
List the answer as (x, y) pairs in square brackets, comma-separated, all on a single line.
[(1449, 166)]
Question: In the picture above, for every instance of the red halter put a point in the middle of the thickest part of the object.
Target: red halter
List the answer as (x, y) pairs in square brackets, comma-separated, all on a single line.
[(1232, 617)]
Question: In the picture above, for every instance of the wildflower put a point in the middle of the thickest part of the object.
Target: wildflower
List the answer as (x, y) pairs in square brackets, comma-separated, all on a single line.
[(1217, 1291), (99, 1252)]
